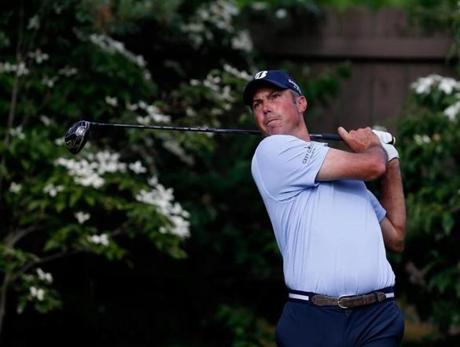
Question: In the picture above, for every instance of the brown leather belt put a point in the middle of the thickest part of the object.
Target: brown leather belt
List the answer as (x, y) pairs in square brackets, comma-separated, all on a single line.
[(346, 301)]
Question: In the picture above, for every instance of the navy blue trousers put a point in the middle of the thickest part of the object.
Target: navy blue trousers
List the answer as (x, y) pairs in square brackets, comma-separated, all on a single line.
[(303, 324)]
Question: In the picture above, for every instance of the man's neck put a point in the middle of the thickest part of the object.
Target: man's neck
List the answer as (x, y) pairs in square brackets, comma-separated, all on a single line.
[(303, 134)]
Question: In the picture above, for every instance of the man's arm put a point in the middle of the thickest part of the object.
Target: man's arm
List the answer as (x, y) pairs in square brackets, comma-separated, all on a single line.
[(367, 161), (392, 199)]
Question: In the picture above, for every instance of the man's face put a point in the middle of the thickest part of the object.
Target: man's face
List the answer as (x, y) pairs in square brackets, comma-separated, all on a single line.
[(279, 111)]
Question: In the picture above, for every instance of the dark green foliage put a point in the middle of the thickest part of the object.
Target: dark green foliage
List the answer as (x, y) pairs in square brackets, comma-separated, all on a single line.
[(429, 148)]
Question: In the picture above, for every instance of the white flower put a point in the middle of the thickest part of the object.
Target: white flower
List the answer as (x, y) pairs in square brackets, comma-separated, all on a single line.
[(153, 181), (422, 139), (20, 69), (140, 61), (102, 239), (159, 197), (131, 107), (155, 118), (137, 167), (447, 85), (91, 180), (151, 109), (15, 187), (37, 293), (59, 141), (452, 111), (259, 6), (281, 13), (45, 120), (88, 171), (163, 200), (181, 226), (111, 101), (245, 76), (68, 71), (112, 46), (220, 91), (7, 67), (190, 112), (49, 81), (34, 23), (44, 276), (81, 216), (52, 190), (57, 9), (38, 56), (218, 13), (216, 111), (106, 161), (17, 132), (242, 41), (153, 113), (423, 85)]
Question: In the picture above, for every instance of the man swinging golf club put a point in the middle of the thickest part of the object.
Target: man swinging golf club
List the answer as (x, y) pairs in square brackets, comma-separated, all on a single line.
[(331, 231)]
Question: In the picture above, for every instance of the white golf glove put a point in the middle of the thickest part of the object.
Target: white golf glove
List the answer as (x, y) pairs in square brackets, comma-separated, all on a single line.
[(386, 139)]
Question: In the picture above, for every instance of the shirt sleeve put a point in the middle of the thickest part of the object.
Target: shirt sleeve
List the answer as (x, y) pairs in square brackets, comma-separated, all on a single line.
[(286, 165), (378, 208)]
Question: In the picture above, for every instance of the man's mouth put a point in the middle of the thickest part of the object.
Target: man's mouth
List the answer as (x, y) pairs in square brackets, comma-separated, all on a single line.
[(271, 122)]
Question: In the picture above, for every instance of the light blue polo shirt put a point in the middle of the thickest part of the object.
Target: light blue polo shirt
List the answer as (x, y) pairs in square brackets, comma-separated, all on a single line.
[(328, 233)]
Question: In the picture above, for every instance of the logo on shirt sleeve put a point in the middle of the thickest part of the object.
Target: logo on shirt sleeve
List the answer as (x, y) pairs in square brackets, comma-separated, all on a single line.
[(308, 153)]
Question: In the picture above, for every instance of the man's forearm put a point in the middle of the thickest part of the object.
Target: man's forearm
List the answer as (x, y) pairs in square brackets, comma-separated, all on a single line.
[(393, 200)]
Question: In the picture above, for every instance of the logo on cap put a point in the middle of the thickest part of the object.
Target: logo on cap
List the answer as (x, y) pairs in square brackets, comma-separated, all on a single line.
[(260, 75), (295, 85)]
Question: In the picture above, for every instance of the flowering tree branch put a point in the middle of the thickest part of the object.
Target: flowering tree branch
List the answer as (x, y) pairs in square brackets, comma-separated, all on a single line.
[(15, 236)]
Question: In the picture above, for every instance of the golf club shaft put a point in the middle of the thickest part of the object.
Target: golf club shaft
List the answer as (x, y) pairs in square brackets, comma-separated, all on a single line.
[(324, 137)]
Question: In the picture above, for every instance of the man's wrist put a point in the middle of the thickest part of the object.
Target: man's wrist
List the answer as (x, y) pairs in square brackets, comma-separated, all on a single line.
[(376, 150)]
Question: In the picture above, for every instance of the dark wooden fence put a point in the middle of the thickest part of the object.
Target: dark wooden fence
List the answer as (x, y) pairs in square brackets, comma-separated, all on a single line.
[(387, 53)]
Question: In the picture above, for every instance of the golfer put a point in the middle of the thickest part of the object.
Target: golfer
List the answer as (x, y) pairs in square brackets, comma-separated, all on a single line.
[(331, 230)]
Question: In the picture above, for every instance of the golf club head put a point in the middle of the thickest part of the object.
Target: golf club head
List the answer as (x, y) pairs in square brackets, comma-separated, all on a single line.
[(76, 137)]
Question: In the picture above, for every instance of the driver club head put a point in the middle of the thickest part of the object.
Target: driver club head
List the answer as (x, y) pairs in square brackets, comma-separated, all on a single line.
[(77, 135)]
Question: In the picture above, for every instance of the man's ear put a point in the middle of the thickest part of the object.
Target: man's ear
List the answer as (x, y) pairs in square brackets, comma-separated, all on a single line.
[(301, 104)]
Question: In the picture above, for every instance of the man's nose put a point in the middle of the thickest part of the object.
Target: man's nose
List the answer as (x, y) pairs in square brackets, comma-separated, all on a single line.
[(266, 107)]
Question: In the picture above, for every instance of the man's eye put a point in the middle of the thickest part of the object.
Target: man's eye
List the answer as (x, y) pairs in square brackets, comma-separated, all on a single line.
[(275, 95)]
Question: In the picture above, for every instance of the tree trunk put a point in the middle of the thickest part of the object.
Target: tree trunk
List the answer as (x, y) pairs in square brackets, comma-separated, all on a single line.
[(3, 294)]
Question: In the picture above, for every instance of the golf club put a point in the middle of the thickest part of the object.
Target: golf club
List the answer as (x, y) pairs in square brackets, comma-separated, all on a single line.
[(77, 135)]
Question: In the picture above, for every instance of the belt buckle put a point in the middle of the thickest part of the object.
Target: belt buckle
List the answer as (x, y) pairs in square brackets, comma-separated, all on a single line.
[(340, 304)]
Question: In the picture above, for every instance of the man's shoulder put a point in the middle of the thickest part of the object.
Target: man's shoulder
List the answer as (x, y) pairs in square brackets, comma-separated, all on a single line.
[(280, 143), (277, 142)]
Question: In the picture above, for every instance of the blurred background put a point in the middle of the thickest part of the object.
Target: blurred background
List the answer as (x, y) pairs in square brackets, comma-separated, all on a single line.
[(155, 238)]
